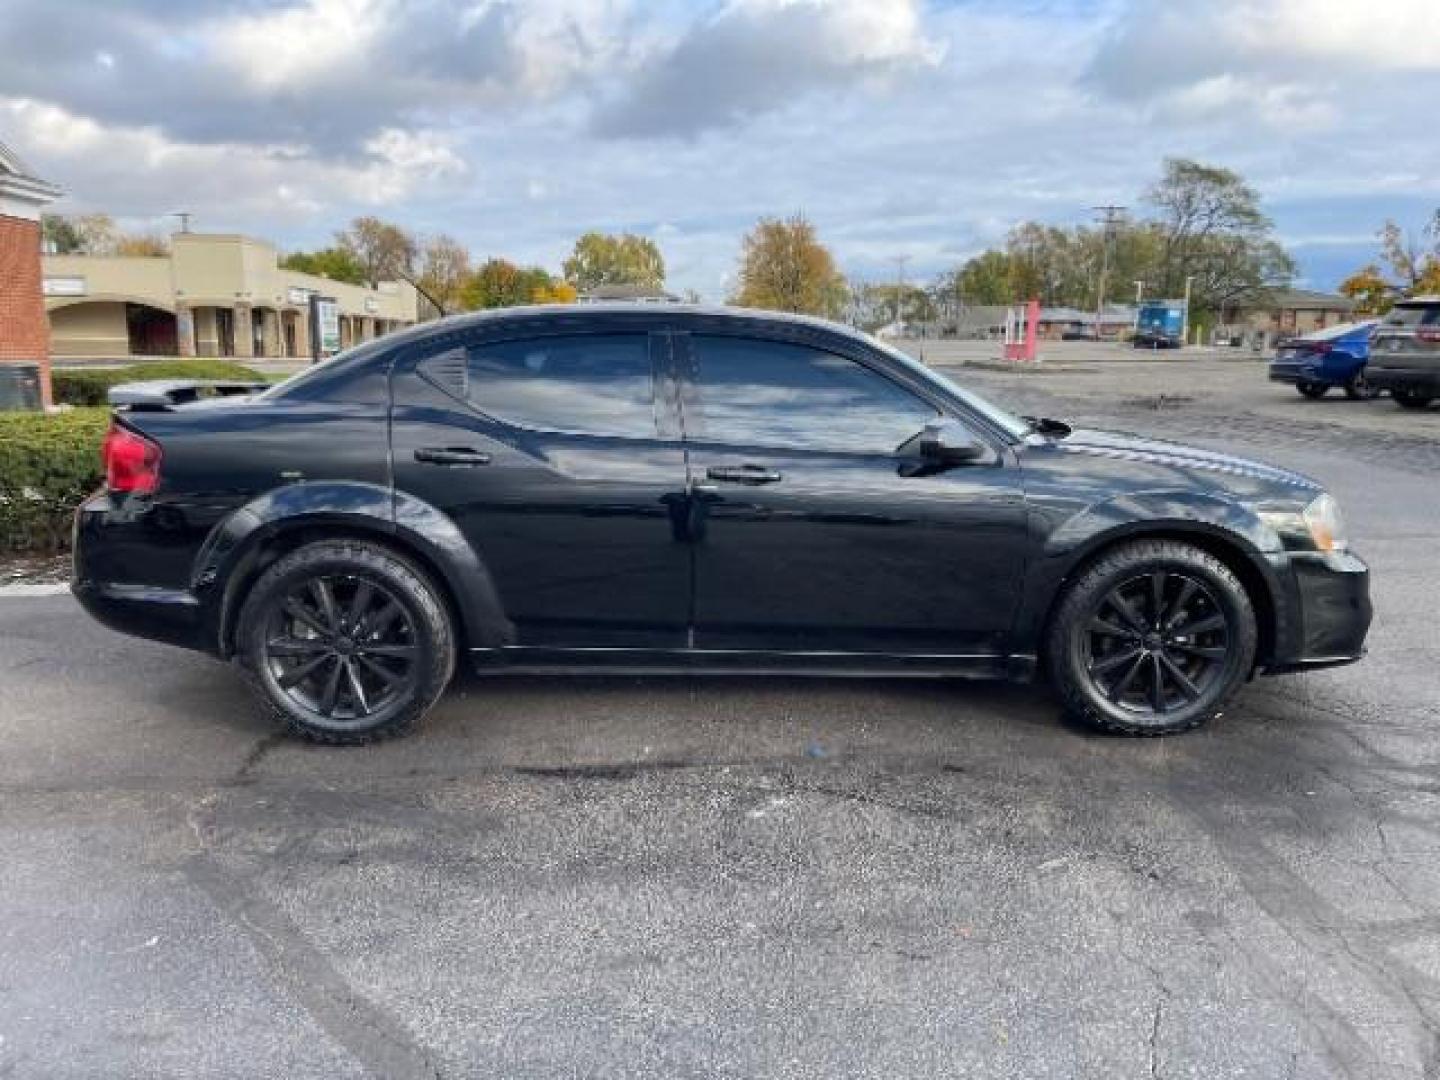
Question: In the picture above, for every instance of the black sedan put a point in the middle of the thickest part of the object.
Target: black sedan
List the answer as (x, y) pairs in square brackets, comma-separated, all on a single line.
[(683, 488)]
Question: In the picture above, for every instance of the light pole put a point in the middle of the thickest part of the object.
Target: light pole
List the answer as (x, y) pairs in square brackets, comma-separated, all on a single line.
[(900, 261), (1185, 318)]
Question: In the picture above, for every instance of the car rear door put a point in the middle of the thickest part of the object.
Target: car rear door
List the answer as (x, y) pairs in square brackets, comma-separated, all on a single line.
[(559, 458), (813, 534)]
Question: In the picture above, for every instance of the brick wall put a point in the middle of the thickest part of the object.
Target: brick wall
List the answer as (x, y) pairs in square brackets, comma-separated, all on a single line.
[(24, 330)]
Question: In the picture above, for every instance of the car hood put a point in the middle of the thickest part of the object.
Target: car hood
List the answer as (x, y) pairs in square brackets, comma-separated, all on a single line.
[(1211, 465)]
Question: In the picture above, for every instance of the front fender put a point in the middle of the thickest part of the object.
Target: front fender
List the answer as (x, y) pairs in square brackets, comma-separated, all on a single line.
[(1211, 521), (233, 553)]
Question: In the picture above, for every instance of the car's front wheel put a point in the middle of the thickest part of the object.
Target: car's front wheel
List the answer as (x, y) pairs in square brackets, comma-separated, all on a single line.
[(1312, 390), (346, 642), (1411, 399), (1152, 639)]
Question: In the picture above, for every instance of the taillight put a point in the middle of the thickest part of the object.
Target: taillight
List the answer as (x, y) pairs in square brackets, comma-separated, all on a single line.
[(1431, 336), (1320, 348), (132, 462)]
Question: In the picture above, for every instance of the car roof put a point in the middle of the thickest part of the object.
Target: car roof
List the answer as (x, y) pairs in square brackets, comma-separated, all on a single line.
[(570, 314)]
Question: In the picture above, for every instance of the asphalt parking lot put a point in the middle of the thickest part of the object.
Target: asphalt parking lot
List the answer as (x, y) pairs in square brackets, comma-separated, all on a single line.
[(701, 877)]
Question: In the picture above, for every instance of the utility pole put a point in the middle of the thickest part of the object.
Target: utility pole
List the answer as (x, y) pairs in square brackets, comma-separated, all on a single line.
[(1111, 217), (184, 216), (900, 261)]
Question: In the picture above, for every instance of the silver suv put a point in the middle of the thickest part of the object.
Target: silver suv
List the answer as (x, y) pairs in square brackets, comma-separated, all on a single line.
[(1405, 352)]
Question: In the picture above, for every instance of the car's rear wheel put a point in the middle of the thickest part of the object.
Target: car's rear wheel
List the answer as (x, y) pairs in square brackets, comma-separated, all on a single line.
[(1358, 388), (1312, 390), (346, 642), (1152, 639), (1412, 399)]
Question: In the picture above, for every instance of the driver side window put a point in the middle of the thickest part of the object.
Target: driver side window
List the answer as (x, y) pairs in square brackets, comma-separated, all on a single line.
[(777, 394)]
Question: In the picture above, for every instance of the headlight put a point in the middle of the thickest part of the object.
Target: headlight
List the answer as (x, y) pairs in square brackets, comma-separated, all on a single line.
[(1319, 527), (1326, 524)]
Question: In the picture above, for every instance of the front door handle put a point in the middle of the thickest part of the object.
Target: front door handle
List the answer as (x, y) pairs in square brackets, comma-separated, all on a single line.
[(743, 474), (458, 456)]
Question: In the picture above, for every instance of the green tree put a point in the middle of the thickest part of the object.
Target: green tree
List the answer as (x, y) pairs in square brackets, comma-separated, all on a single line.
[(444, 271), (335, 263), (384, 251), (500, 283), (984, 279), (1214, 232), (79, 234), (603, 259), (784, 267)]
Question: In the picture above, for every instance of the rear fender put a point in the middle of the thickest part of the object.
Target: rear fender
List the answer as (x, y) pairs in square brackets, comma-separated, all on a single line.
[(234, 552)]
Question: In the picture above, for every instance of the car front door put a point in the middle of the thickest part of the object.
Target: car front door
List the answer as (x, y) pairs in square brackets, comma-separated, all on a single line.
[(559, 459), (818, 530)]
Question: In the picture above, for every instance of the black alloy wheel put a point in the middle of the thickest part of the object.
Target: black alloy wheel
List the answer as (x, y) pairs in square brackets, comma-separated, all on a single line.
[(346, 641), (342, 647), (1312, 390), (1151, 638), (1157, 643)]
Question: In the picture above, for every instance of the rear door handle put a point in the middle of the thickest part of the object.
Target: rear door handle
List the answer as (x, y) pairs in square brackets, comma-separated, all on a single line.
[(459, 456), (743, 474)]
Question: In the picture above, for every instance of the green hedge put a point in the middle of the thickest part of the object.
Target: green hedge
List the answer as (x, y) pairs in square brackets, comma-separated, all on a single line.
[(48, 465), (86, 387)]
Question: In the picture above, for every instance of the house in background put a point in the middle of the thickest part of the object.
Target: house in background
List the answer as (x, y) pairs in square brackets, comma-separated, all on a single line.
[(213, 295), (1285, 313), (24, 334)]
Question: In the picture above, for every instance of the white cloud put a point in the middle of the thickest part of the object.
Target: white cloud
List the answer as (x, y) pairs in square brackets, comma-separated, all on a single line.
[(1287, 63), (297, 47), (139, 171), (755, 56)]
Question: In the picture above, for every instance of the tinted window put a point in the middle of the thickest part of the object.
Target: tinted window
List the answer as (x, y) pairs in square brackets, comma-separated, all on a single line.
[(774, 394), (593, 384)]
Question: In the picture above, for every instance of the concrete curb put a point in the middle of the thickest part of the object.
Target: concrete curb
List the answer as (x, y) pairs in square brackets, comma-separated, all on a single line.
[(28, 590)]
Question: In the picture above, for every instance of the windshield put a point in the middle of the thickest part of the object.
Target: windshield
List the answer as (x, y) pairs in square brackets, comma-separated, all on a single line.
[(1007, 422), (1414, 315)]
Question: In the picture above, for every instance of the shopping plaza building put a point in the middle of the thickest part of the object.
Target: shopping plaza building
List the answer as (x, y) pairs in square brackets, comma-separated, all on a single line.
[(213, 295)]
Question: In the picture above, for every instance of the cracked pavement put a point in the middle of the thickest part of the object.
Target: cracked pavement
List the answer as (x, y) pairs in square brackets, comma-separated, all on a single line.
[(729, 876)]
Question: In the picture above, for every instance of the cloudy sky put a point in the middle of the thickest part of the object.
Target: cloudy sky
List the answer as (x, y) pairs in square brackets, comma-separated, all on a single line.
[(918, 128)]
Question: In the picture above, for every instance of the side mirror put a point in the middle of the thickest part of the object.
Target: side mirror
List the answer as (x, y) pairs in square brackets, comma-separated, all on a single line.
[(948, 442)]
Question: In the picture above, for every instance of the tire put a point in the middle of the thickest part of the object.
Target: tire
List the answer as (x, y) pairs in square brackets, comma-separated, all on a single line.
[(1358, 388), (1411, 399), (1213, 659), (1312, 390), (346, 642)]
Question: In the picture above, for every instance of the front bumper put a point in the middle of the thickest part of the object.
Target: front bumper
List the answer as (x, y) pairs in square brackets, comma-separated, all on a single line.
[(1325, 610)]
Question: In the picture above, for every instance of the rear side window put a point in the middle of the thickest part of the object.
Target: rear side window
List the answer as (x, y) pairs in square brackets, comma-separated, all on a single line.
[(591, 384), (1414, 315), (770, 393)]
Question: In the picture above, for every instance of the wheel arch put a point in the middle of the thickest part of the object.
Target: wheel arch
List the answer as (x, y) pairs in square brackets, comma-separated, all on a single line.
[(1236, 552), (254, 537)]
